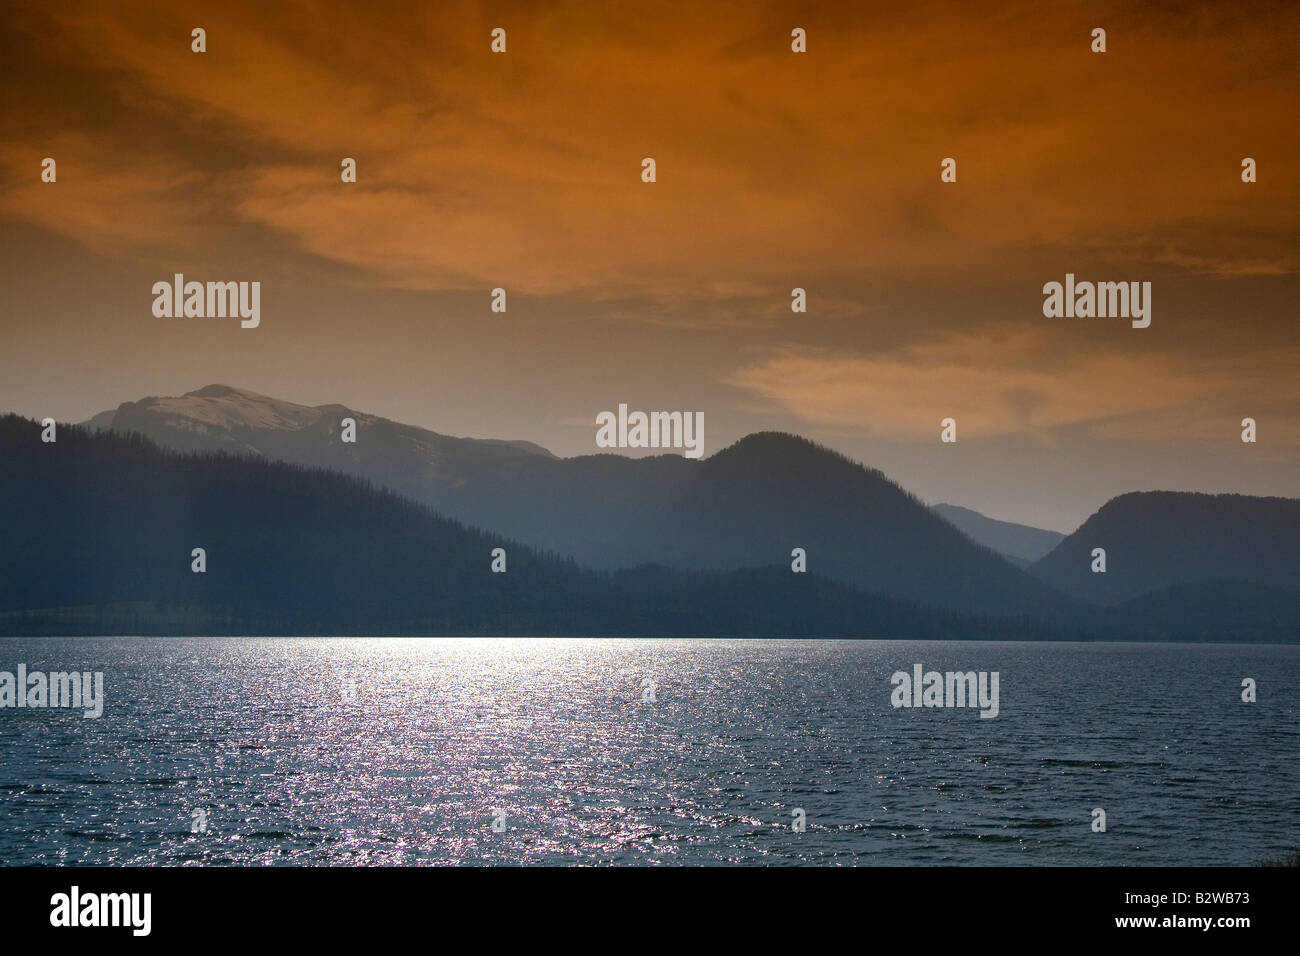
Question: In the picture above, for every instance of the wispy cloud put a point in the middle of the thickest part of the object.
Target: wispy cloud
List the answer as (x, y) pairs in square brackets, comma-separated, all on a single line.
[(997, 384)]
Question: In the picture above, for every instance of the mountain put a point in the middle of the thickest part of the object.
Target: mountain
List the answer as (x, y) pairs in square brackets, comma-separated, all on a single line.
[(746, 506), (101, 421), (1020, 544), (97, 532), (752, 503), (1213, 610), (222, 418), (1160, 540)]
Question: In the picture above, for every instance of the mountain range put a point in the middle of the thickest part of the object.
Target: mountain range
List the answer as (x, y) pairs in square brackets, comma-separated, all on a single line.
[(98, 534), (1213, 567), (439, 470), (747, 506)]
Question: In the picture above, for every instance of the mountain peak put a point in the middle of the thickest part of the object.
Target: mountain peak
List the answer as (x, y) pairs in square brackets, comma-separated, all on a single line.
[(222, 406), (784, 451), (217, 390), (770, 444)]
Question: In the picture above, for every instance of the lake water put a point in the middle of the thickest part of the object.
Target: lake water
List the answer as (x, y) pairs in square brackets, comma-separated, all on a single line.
[(406, 751)]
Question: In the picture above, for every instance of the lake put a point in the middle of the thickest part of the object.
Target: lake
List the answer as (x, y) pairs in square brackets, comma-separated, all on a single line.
[(441, 751)]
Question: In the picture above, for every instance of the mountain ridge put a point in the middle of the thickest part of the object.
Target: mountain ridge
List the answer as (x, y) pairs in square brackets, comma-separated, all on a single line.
[(1019, 543), (1157, 540), (228, 406), (98, 531), (747, 505)]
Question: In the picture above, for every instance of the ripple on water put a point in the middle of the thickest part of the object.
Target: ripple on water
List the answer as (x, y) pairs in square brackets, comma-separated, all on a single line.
[(553, 740)]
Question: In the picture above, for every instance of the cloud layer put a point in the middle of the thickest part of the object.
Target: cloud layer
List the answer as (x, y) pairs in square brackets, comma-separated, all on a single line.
[(475, 166)]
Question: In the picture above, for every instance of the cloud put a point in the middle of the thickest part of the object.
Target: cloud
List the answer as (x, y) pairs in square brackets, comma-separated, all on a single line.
[(1016, 381), (523, 169), (102, 195)]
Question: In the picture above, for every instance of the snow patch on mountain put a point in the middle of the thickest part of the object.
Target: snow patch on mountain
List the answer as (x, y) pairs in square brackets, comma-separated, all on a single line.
[(222, 411), (223, 407)]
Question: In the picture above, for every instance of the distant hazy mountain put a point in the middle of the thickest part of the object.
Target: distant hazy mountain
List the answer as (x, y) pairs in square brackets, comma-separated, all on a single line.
[(746, 506), (1020, 544), (222, 418), (97, 530), (1162, 540), (101, 421)]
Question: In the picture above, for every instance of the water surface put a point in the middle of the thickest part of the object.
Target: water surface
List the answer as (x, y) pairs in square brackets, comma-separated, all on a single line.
[(404, 751)]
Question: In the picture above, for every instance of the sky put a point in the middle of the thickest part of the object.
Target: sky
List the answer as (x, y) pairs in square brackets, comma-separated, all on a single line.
[(775, 170)]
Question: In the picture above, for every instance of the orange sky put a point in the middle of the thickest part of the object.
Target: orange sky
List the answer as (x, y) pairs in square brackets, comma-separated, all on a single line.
[(775, 170)]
